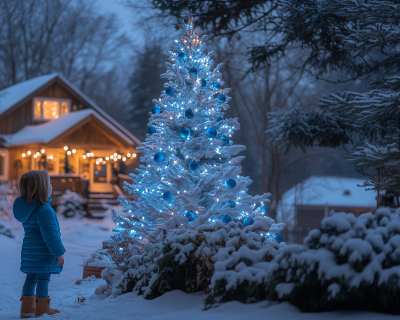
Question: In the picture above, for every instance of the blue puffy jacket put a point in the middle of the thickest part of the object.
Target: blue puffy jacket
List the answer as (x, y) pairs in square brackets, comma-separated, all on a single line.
[(42, 241)]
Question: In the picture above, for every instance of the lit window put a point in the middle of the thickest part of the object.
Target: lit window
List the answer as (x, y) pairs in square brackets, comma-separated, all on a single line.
[(48, 109)]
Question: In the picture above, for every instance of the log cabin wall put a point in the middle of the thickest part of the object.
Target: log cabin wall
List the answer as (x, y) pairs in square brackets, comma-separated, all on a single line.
[(23, 115)]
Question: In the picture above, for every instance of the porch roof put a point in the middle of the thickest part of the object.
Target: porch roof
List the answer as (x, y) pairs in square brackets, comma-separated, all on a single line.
[(46, 132)]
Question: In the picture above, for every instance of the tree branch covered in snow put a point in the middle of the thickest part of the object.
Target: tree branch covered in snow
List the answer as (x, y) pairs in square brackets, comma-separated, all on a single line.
[(301, 128)]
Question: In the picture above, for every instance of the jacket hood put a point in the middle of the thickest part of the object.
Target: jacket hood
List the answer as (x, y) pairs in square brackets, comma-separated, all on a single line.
[(22, 209)]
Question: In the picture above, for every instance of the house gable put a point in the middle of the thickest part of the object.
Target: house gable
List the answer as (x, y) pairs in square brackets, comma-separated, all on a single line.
[(89, 132), (14, 117), (21, 114)]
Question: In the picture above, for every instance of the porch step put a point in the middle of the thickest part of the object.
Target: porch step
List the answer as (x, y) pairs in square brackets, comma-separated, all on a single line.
[(98, 203), (101, 196)]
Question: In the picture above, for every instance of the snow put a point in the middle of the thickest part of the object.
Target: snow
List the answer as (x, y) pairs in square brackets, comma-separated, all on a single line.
[(81, 237), (325, 192), (48, 131), (18, 92)]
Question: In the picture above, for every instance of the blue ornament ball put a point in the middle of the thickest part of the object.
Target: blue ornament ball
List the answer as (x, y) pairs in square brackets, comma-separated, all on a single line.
[(190, 215), (151, 130), (167, 195), (230, 203), (158, 157), (219, 119), (182, 55), (248, 221), (230, 183), (155, 110), (225, 139), (264, 209), (194, 166), (185, 133), (278, 237), (189, 114), (221, 98), (203, 83), (193, 71), (211, 133), (226, 219), (216, 86), (169, 91)]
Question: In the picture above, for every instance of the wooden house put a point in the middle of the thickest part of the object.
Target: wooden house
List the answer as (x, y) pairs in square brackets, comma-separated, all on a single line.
[(303, 206), (47, 123)]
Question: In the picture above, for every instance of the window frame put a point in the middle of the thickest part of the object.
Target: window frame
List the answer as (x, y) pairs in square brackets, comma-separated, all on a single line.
[(5, 165), (41, 99)]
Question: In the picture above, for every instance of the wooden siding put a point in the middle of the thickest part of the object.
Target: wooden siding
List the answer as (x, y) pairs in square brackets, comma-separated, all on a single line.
[(23, 115), (90, 136)]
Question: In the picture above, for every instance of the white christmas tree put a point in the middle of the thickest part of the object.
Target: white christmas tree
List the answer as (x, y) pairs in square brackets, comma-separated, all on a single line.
[(191, 174)]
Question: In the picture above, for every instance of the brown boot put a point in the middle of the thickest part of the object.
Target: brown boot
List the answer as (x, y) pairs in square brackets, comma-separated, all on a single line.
[(43, 306), (28, 306)]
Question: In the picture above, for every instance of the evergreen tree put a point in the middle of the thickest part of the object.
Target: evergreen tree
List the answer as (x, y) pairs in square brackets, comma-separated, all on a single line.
[(145, 80), (191, 174), (372, 115)]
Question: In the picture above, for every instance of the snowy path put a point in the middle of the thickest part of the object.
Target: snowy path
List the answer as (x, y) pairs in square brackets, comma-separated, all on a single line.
[(81, 238)]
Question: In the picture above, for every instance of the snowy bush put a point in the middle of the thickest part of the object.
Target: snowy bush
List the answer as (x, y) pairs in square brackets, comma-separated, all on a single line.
[(187, 260), (348, 263), (8, 193), (100, 258), (70, 205)]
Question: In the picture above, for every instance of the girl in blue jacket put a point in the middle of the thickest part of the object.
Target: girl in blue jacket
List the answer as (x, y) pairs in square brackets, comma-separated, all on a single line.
[(42, 249)]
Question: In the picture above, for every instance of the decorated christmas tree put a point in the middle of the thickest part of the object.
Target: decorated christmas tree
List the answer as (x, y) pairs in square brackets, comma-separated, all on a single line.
[(191, 172)]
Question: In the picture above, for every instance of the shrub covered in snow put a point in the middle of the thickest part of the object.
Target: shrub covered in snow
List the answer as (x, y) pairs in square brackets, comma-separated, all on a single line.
[(348, 263), (100, 258), (70, 205), (8, 193), (187, 260)]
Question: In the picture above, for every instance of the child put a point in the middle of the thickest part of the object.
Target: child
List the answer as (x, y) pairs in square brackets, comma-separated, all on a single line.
[(42, 249)]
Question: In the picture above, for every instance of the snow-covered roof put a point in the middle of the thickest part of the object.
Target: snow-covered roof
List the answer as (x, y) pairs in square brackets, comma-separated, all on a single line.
[(326, 191), (48, 131), (10, 96)]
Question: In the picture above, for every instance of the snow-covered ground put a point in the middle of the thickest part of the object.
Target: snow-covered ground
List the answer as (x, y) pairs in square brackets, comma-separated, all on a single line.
[(81, 238)]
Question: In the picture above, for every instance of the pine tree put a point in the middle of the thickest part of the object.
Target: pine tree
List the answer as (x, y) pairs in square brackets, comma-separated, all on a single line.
[(191, 171), (372, 115)]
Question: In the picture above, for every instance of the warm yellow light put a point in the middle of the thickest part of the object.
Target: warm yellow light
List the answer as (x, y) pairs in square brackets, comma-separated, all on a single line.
[(107, 158), (115, 159), (69, 152), (73, 151), (42, 151), (35, 156), (88, 154), (97, 162), (134, 155), (101, 159), (111, 157), (119, 156), (29, 153), (65, 148), (50, 157), (91, 154), (37, 153), (123, 159), (128, 155), (115, 154), (104, 162), (23, 155), (84, 157)]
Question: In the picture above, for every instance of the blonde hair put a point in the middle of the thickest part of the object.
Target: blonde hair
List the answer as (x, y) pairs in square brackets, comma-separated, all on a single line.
[(34, 185)]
